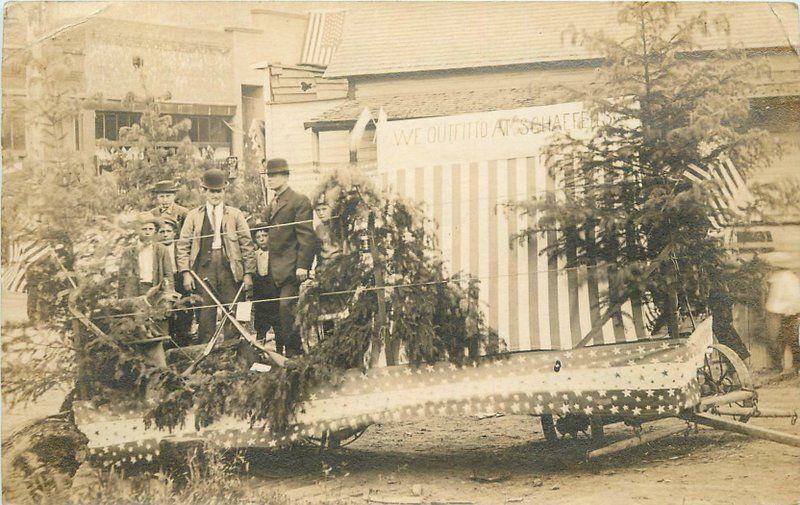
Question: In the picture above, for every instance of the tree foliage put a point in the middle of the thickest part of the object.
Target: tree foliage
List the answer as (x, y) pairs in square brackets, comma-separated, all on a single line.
[(659, 105)]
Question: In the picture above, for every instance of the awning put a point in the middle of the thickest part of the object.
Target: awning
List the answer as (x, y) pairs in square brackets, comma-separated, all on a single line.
[(418, 105)]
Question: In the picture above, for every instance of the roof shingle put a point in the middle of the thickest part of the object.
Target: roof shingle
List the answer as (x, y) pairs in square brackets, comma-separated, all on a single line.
[(386, 38), (418, 105)]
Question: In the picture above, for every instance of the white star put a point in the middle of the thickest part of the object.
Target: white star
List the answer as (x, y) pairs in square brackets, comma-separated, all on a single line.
[(625, 407), (551, 406), (614, 398), (631, 362), (627, 393), (653, 360), (538, 409), (650, 393), (453, 366), (408, 371), (614, 409), (589, 399), (637, 411), (588, 410), (660, 409), (601, 393), (565, 408), (565, 397), (616, 351)]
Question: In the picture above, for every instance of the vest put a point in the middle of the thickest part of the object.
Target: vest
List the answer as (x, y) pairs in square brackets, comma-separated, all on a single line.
[(206, 239)]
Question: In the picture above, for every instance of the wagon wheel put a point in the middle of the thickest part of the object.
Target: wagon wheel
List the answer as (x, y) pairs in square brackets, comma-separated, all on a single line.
[(724, 372), (41, 458), (337, 439)]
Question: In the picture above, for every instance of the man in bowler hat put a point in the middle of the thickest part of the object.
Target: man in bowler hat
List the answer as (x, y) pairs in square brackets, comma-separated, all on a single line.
[(292, 246), (165, 197), (215, 243)]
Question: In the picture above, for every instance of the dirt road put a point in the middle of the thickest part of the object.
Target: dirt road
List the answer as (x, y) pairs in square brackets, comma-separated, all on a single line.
[(449, 460)]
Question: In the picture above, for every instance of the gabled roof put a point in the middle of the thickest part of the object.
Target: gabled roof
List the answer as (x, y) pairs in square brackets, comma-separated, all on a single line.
[(418, 105), (386, 38)]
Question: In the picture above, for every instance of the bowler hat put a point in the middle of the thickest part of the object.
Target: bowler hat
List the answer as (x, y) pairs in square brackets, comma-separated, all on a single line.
[(167, 219), (164, 187), (214, 178), (277, 166)]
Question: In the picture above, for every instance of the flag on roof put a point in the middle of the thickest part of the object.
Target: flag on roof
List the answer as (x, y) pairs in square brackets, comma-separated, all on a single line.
[(323, 35)]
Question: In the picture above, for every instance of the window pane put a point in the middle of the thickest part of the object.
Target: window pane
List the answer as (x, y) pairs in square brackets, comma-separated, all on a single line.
[(6, 131), (218, 131), (78, 122), (193, 131), (99, 122), (17, 131), (111, 125), (202, 127)]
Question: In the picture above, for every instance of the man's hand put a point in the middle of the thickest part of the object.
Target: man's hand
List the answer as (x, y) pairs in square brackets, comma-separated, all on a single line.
[(247, 280), (188, 281), (301, 274)]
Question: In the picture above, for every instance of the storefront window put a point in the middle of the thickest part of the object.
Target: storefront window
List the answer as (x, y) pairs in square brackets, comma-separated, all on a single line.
[(204, 129), (13, 131)]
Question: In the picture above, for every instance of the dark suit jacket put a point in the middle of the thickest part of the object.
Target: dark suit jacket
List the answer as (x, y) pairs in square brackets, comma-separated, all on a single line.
[(128, 286), (293, 246)]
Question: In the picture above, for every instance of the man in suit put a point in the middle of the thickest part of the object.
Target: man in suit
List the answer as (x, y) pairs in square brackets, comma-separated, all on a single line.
[(292, 246), (165, 197), (215, 243), (145, 268)]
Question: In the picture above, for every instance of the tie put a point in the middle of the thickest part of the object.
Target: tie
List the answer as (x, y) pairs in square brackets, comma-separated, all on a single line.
[(272, 205)]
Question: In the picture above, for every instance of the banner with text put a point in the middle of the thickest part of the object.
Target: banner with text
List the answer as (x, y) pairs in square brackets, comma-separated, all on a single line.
[(501, 134)]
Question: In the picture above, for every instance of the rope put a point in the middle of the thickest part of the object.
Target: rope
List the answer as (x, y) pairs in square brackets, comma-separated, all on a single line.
[(369, 289)]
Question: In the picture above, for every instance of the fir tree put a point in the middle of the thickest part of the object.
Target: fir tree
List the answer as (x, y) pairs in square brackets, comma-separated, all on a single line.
[(659, 105)]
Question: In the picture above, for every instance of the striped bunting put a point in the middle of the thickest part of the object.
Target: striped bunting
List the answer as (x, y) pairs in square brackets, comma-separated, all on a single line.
[(529, 297), (21, 256), (323, 35)]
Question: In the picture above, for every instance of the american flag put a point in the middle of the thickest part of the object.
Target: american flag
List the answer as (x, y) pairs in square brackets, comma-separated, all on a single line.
[(21, 256), (729, 193), (323, 35), (530, 297)]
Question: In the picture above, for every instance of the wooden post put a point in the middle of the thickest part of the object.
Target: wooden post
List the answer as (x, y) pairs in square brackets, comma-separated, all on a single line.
[(745, 429), (380, 318), (315, 148), (727, 398), (636, 441)]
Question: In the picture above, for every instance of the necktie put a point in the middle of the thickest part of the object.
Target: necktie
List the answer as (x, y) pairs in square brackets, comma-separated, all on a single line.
[(272, 205)]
